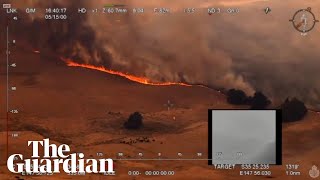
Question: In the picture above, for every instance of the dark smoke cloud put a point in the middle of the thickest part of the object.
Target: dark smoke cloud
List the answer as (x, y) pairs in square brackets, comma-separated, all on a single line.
[(72, 38), (250, 50)]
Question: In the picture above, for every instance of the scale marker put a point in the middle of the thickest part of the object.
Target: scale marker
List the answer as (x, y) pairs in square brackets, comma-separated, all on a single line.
[(7, 95)]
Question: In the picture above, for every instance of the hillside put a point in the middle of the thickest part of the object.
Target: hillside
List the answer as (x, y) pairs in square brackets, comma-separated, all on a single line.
[(86, 109)]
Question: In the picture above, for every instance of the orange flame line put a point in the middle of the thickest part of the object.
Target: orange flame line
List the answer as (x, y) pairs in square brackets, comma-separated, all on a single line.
[(142, 80)]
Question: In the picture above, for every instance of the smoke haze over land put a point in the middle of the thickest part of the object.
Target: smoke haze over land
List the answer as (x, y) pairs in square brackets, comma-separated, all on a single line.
[(249, 50)]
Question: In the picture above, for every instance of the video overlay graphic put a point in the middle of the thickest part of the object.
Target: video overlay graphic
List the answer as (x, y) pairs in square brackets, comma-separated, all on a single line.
[(244, 137)]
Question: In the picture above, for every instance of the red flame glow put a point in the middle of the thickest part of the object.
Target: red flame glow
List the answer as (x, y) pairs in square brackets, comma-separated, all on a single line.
[(142, 80)]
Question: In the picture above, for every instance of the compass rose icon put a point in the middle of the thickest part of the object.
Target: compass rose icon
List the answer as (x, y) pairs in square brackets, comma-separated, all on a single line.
[(304, 20)]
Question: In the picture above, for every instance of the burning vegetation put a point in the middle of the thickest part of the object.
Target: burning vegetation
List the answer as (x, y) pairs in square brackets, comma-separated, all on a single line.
[(87, 39), (142, 80)]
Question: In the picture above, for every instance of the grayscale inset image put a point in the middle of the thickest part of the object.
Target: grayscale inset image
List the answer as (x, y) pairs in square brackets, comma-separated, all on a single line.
[(244, 137)]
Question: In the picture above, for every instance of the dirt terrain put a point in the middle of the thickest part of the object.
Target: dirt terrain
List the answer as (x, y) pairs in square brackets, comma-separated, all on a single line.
[(86, 109)]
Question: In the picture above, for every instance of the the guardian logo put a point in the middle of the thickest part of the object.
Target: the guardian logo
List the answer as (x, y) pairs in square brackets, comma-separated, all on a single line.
[(71, 163)]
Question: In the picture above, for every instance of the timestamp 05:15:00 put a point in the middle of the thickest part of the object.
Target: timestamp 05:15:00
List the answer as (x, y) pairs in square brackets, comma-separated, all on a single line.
[(55, 17)]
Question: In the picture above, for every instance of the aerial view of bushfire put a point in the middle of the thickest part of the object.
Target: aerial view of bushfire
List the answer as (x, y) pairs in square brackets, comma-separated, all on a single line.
[(193, 89)]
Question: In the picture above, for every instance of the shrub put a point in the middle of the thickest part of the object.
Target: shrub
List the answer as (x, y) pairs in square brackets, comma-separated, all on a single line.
[(237, 97), (259, 101), (134, 121), (293, 110)]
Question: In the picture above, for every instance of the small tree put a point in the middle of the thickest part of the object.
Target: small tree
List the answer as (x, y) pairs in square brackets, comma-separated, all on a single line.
[(237, 97), (134, 121), (293, 110), (259, 101)]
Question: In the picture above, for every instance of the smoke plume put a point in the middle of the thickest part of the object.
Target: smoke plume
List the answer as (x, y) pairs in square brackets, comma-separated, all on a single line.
[(249, 50)]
